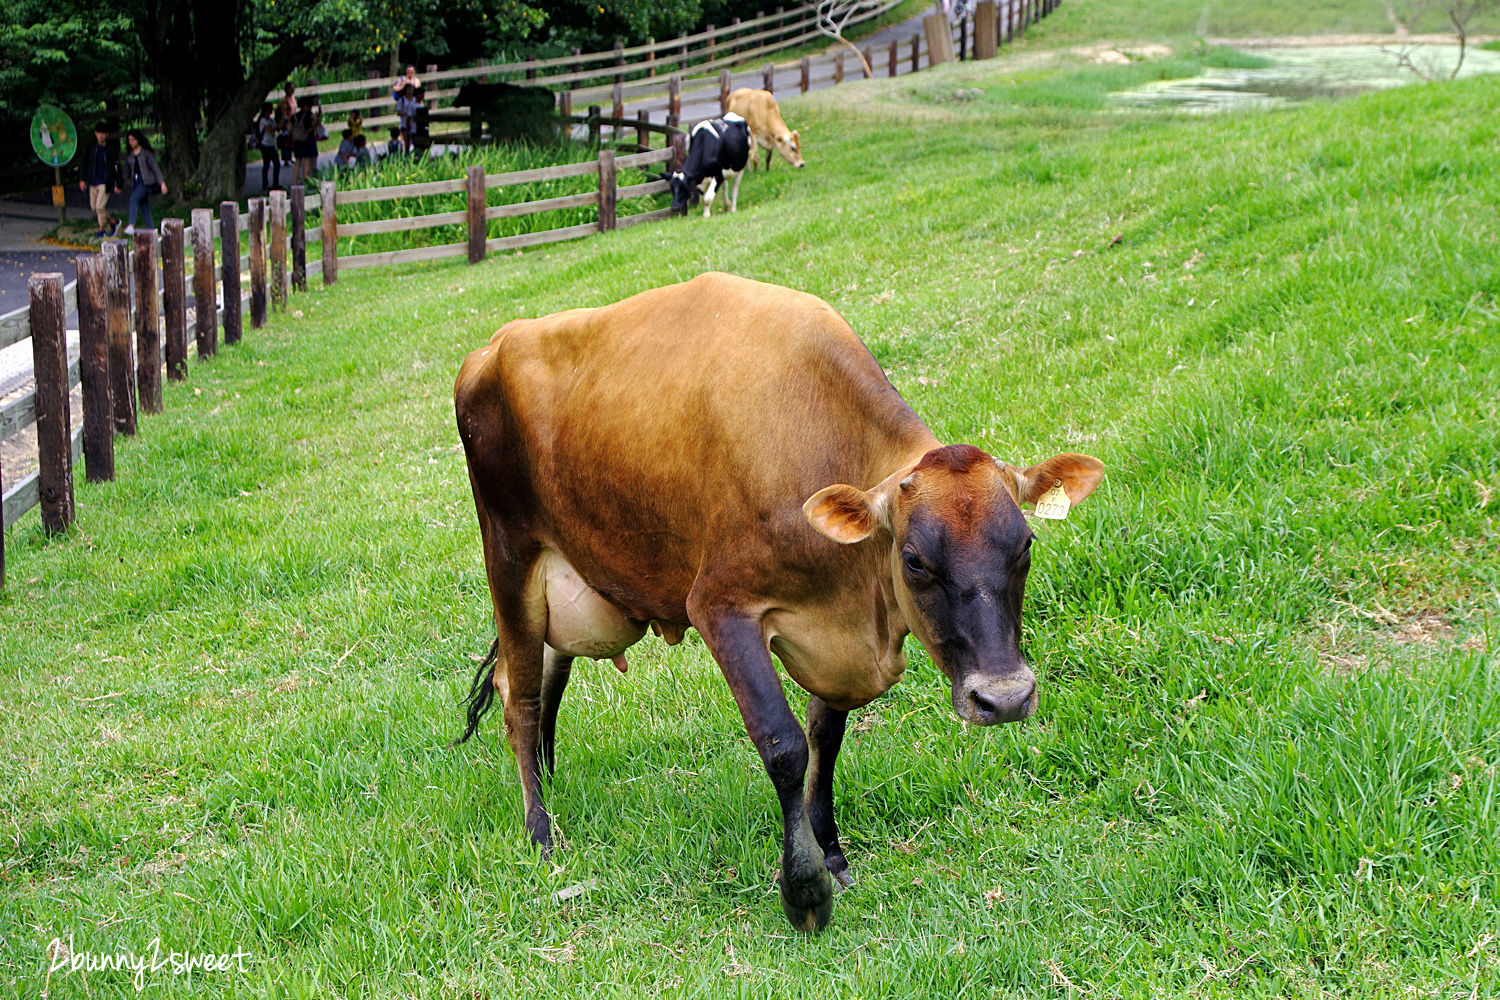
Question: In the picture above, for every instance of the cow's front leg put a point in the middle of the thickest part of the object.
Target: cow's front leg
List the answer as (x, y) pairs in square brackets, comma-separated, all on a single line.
[(734, 191), (710, 186), (825, 735), (739, 646)]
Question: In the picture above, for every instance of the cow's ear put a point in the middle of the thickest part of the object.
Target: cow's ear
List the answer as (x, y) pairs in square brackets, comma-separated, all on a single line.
[(797, 140), (1077, 474), (845, 513)]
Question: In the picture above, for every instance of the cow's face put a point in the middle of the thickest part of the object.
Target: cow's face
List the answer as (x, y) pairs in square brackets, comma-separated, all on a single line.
[(682, 192), (959, 550), (790, 146)]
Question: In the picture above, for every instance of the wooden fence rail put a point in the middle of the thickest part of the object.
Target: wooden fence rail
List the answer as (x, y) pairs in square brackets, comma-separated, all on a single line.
[(120, 362)]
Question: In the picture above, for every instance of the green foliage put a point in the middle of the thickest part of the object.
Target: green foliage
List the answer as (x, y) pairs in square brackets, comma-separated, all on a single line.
[(1267, 755)]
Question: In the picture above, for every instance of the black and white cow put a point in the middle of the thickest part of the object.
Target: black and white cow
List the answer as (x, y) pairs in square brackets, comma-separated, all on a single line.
[(718, 150)]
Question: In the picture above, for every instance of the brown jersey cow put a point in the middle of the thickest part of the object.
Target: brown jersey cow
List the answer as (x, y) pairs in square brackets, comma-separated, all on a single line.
[(767, 130), (726, 454)]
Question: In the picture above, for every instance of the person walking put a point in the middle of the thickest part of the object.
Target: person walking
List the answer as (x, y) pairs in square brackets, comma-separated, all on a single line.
[(406, 113), (286, 108), (146, 176), (305, 125), (100, 174), (265, 132)]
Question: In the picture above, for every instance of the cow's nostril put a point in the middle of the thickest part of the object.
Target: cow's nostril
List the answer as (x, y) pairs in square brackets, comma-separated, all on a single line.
[(983, 705)]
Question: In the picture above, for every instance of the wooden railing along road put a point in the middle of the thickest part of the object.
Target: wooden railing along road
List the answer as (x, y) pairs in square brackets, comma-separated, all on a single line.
[(131, 299)]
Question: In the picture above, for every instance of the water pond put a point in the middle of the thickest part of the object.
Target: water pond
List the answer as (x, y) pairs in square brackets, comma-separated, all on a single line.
[(1303, 74)]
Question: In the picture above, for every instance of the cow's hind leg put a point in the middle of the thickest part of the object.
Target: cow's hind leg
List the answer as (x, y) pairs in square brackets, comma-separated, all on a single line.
[(825, 735), (734, 190), (556, 669), (521, 651), (739, 646), (520, 629)]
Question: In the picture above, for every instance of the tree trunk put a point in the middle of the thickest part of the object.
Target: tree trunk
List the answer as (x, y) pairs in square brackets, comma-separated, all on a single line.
[(179, 88), (218, 173)]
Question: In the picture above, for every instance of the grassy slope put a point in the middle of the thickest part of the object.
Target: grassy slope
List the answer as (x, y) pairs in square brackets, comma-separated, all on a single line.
[(1091, 20), (1265, 757)]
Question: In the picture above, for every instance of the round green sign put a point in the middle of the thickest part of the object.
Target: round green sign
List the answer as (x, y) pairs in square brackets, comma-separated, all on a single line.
[(53, 136)]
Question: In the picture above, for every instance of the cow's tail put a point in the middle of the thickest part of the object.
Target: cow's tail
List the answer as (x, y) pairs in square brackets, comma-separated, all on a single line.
[(481, 693)]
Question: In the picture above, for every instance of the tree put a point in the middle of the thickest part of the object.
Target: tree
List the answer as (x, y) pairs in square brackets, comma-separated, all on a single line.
[(1458, 14), (833, 15)]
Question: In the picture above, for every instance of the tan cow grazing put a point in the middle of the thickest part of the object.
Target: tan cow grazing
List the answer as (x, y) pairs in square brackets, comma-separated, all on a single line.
[(759, 108), (726, 455)]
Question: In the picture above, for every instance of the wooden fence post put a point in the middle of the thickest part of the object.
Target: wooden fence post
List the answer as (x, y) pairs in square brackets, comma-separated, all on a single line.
[(531, 65), (229, 270), (963, 37), (205, 308), (276, 243), (642, 133), (121, 342), (939, 41), (617, 105), (682, 54), (147, 323), (724, 85), (619, 59), (577, 68), (299, 237), (838, 67), (916, 52), (257, 264), (894, 59), (606, 190), (173, 299), (986, 30), (710, 30), (734, 24), (768, 78), (476, 212), (674, 97), (328, 209), (594, 129), (54, 425), (868, 69), (679, 152), (565, 103), (806, 67), (1006, 9), (651, 58), (93, 367)]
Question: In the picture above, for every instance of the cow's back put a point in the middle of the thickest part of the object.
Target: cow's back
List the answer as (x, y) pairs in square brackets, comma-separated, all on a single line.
[(642, 437), (760, 110)]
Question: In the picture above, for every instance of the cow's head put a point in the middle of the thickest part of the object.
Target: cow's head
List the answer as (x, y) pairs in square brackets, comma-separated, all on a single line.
[(682, 191), (790, 146), (960, 549)]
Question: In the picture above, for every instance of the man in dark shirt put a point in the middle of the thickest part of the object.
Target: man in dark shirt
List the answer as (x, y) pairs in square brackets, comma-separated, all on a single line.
[(101, 174)]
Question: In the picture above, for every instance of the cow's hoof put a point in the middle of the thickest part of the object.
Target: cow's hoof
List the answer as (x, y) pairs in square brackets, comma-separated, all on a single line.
[(808, 904), (839, 869)]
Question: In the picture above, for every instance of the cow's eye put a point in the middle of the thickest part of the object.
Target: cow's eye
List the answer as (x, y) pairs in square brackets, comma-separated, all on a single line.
[(1029, 540), (913, 564)]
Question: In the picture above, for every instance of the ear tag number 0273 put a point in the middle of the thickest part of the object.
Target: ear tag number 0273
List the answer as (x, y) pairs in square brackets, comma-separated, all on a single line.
[(1054, 504)]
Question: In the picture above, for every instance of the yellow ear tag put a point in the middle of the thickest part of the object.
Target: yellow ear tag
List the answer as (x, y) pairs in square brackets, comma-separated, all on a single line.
[(1054, 504)]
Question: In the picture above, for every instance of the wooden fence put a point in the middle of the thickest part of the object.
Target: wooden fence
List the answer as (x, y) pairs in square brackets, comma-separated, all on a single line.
[(656, 75), (133, 323), (131, 299)]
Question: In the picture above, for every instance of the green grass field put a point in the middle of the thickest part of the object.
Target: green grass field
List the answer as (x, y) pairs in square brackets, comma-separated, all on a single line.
[(1265, 758)]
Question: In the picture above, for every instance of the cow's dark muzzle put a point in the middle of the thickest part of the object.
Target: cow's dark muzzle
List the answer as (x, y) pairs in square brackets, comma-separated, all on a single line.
[(990, 699)]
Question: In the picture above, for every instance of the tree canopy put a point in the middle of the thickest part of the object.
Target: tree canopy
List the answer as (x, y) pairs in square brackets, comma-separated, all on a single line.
[(204, 66)]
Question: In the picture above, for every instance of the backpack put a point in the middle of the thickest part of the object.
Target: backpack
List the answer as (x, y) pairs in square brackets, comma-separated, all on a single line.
[(301, 126)]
